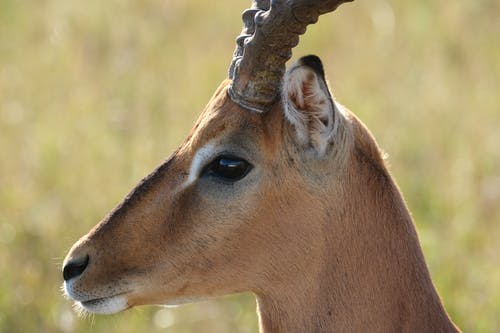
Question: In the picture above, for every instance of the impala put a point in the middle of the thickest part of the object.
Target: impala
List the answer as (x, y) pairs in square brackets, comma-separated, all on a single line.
[(278, 190)]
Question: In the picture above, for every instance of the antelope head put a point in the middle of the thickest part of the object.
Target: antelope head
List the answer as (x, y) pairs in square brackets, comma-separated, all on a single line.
[(273, 184)]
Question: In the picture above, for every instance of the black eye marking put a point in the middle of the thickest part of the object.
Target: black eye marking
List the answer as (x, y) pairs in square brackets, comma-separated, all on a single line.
[(228, 168)]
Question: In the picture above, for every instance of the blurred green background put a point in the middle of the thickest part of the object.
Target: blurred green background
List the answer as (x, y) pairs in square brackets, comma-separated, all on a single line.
[(95, 94)]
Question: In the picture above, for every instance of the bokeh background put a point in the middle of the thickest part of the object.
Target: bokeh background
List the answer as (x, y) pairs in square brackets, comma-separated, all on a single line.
[(95, 94)]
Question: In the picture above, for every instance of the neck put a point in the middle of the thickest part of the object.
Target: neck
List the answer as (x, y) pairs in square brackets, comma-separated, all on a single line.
[(371, 274)]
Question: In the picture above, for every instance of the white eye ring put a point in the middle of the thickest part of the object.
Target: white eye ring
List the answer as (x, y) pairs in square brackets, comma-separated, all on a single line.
[(200, 159)]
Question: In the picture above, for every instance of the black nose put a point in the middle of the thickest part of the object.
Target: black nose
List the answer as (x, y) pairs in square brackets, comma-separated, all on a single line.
[(75, 267)]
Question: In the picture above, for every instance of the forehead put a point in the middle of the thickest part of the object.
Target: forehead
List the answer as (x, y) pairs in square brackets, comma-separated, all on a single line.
[(223, 123)]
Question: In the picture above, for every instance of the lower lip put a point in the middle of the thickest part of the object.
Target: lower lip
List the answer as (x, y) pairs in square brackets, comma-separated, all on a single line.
[(94, 302), (106, 305)]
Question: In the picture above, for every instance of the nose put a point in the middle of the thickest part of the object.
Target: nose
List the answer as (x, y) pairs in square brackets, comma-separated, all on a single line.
[(75, 267)]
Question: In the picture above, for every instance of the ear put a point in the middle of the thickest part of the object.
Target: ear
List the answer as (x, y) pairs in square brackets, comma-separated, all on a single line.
[(308, 104)]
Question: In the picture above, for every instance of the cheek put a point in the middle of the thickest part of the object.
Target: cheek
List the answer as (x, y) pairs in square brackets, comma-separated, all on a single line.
[(210, 224), (191, 228), (205, 220)]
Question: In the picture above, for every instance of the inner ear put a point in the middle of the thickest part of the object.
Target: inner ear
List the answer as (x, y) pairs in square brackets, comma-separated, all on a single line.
[(308, 104)]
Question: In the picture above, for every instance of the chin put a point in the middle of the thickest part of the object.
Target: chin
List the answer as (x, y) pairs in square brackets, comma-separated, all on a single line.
[(87, 304), (106, 305)]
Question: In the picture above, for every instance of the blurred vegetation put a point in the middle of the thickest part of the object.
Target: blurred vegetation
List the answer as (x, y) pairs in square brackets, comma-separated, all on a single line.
[(95, 94)]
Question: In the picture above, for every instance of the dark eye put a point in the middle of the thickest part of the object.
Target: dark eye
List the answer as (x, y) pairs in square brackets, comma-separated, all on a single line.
[(228, 168)]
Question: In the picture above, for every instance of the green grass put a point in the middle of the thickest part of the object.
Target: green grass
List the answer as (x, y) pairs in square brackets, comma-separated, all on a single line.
[(95, 94)]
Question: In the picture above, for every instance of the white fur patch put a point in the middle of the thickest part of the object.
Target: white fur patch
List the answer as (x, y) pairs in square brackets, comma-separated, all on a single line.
[(94, 303), (108, 305), (200, 159)]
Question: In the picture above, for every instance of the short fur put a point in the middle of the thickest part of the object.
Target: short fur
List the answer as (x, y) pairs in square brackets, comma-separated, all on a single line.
[(318, 230)]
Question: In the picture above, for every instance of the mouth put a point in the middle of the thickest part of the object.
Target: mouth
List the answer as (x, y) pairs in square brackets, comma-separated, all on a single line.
[(104, 305), (116, 302)]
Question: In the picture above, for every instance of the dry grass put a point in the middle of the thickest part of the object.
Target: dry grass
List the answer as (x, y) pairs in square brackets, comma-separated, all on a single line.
[(94, 94)]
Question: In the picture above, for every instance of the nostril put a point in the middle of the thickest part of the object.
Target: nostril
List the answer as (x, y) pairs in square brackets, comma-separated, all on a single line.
[(74, 268)]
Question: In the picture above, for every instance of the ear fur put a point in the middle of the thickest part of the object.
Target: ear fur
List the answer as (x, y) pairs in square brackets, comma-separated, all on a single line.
[(308, 104)]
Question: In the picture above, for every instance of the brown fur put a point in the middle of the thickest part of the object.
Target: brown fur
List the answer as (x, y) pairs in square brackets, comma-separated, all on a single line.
[(326, 245)]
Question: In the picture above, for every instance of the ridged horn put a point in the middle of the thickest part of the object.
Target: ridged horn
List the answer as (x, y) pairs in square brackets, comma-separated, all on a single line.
[(271, 28)]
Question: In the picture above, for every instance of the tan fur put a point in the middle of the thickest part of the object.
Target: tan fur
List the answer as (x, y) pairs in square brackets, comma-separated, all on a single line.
[(326, 245)]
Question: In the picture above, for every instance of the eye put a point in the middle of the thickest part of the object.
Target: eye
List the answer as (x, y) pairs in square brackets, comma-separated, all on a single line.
[(228, 168)]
